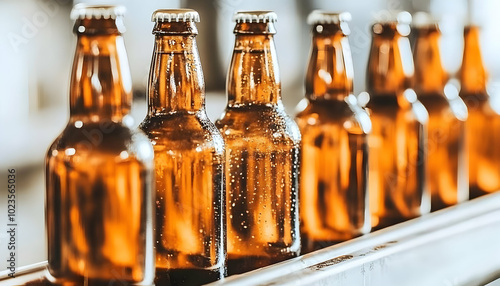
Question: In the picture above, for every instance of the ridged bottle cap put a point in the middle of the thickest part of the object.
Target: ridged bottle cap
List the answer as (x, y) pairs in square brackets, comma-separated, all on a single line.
[(422, 19), (175, 15), (403, 17), (323, 17), (401, 20), (255, 17), (399, 17), (85, 11)]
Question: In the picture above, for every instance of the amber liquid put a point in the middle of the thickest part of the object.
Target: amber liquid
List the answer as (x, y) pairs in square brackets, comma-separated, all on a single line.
[(99, 172), (189, 177), (333, 198), (398, 143), (261, 179), (189, 163), (334, 170), (446, 126), (262, 157), (483, 121), (483, 142), (97, 206), (397, 168), (447, 161)]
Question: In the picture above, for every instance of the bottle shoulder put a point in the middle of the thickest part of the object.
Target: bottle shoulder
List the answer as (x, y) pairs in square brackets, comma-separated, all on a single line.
[(474, 98), (438, 104), (334, 115), (327, 111), (251, 122), (392, 106), (183, 131), (102, 140), (481, 104)]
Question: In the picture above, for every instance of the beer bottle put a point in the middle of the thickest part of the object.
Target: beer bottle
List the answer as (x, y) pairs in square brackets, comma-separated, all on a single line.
[(262, 151), (334, 160), (447, 115), (189, 157), (99, 172), (483, 142), (398, 164)]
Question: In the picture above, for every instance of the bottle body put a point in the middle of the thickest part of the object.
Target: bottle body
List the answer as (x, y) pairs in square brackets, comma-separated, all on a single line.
[(262, 165), (447, 115), (483, 156), (446, 152), (262, 155), (334, 175), (190, 236), (334, 147), (99, 172), (99, 205), (483, 119), (398, 142), (397, 162), (189, 164)]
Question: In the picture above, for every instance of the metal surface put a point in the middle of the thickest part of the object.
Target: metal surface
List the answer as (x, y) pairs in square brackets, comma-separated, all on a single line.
[(24, 274), (455, 246)]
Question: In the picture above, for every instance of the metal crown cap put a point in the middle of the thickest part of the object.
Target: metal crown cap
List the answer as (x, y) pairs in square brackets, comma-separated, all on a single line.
[(82, 11), (175, 15), (255, 17), (399, 17), (324, 17), (423, 19)]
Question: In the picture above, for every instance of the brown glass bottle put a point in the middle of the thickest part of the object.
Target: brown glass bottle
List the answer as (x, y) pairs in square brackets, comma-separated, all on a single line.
[(334, 149), (483, 120), (99, 172), (262, 152), (447, 115), (398, 176), (190, 236)]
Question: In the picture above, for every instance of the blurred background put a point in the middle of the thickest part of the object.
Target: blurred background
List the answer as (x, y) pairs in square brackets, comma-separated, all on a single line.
[(36, 54)]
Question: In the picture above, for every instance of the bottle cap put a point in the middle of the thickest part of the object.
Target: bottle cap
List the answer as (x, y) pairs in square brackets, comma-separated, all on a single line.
[(82, 11), (323, 17), (399, 17), (401, 20), (175, 15), (422, 19), (255, 17)]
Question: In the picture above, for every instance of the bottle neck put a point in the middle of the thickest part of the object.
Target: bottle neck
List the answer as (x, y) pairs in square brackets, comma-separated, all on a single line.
[(253, 76), (176, 81), (430, 77), (330, 72), (100, 81), (390, 65), (473, 75)]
